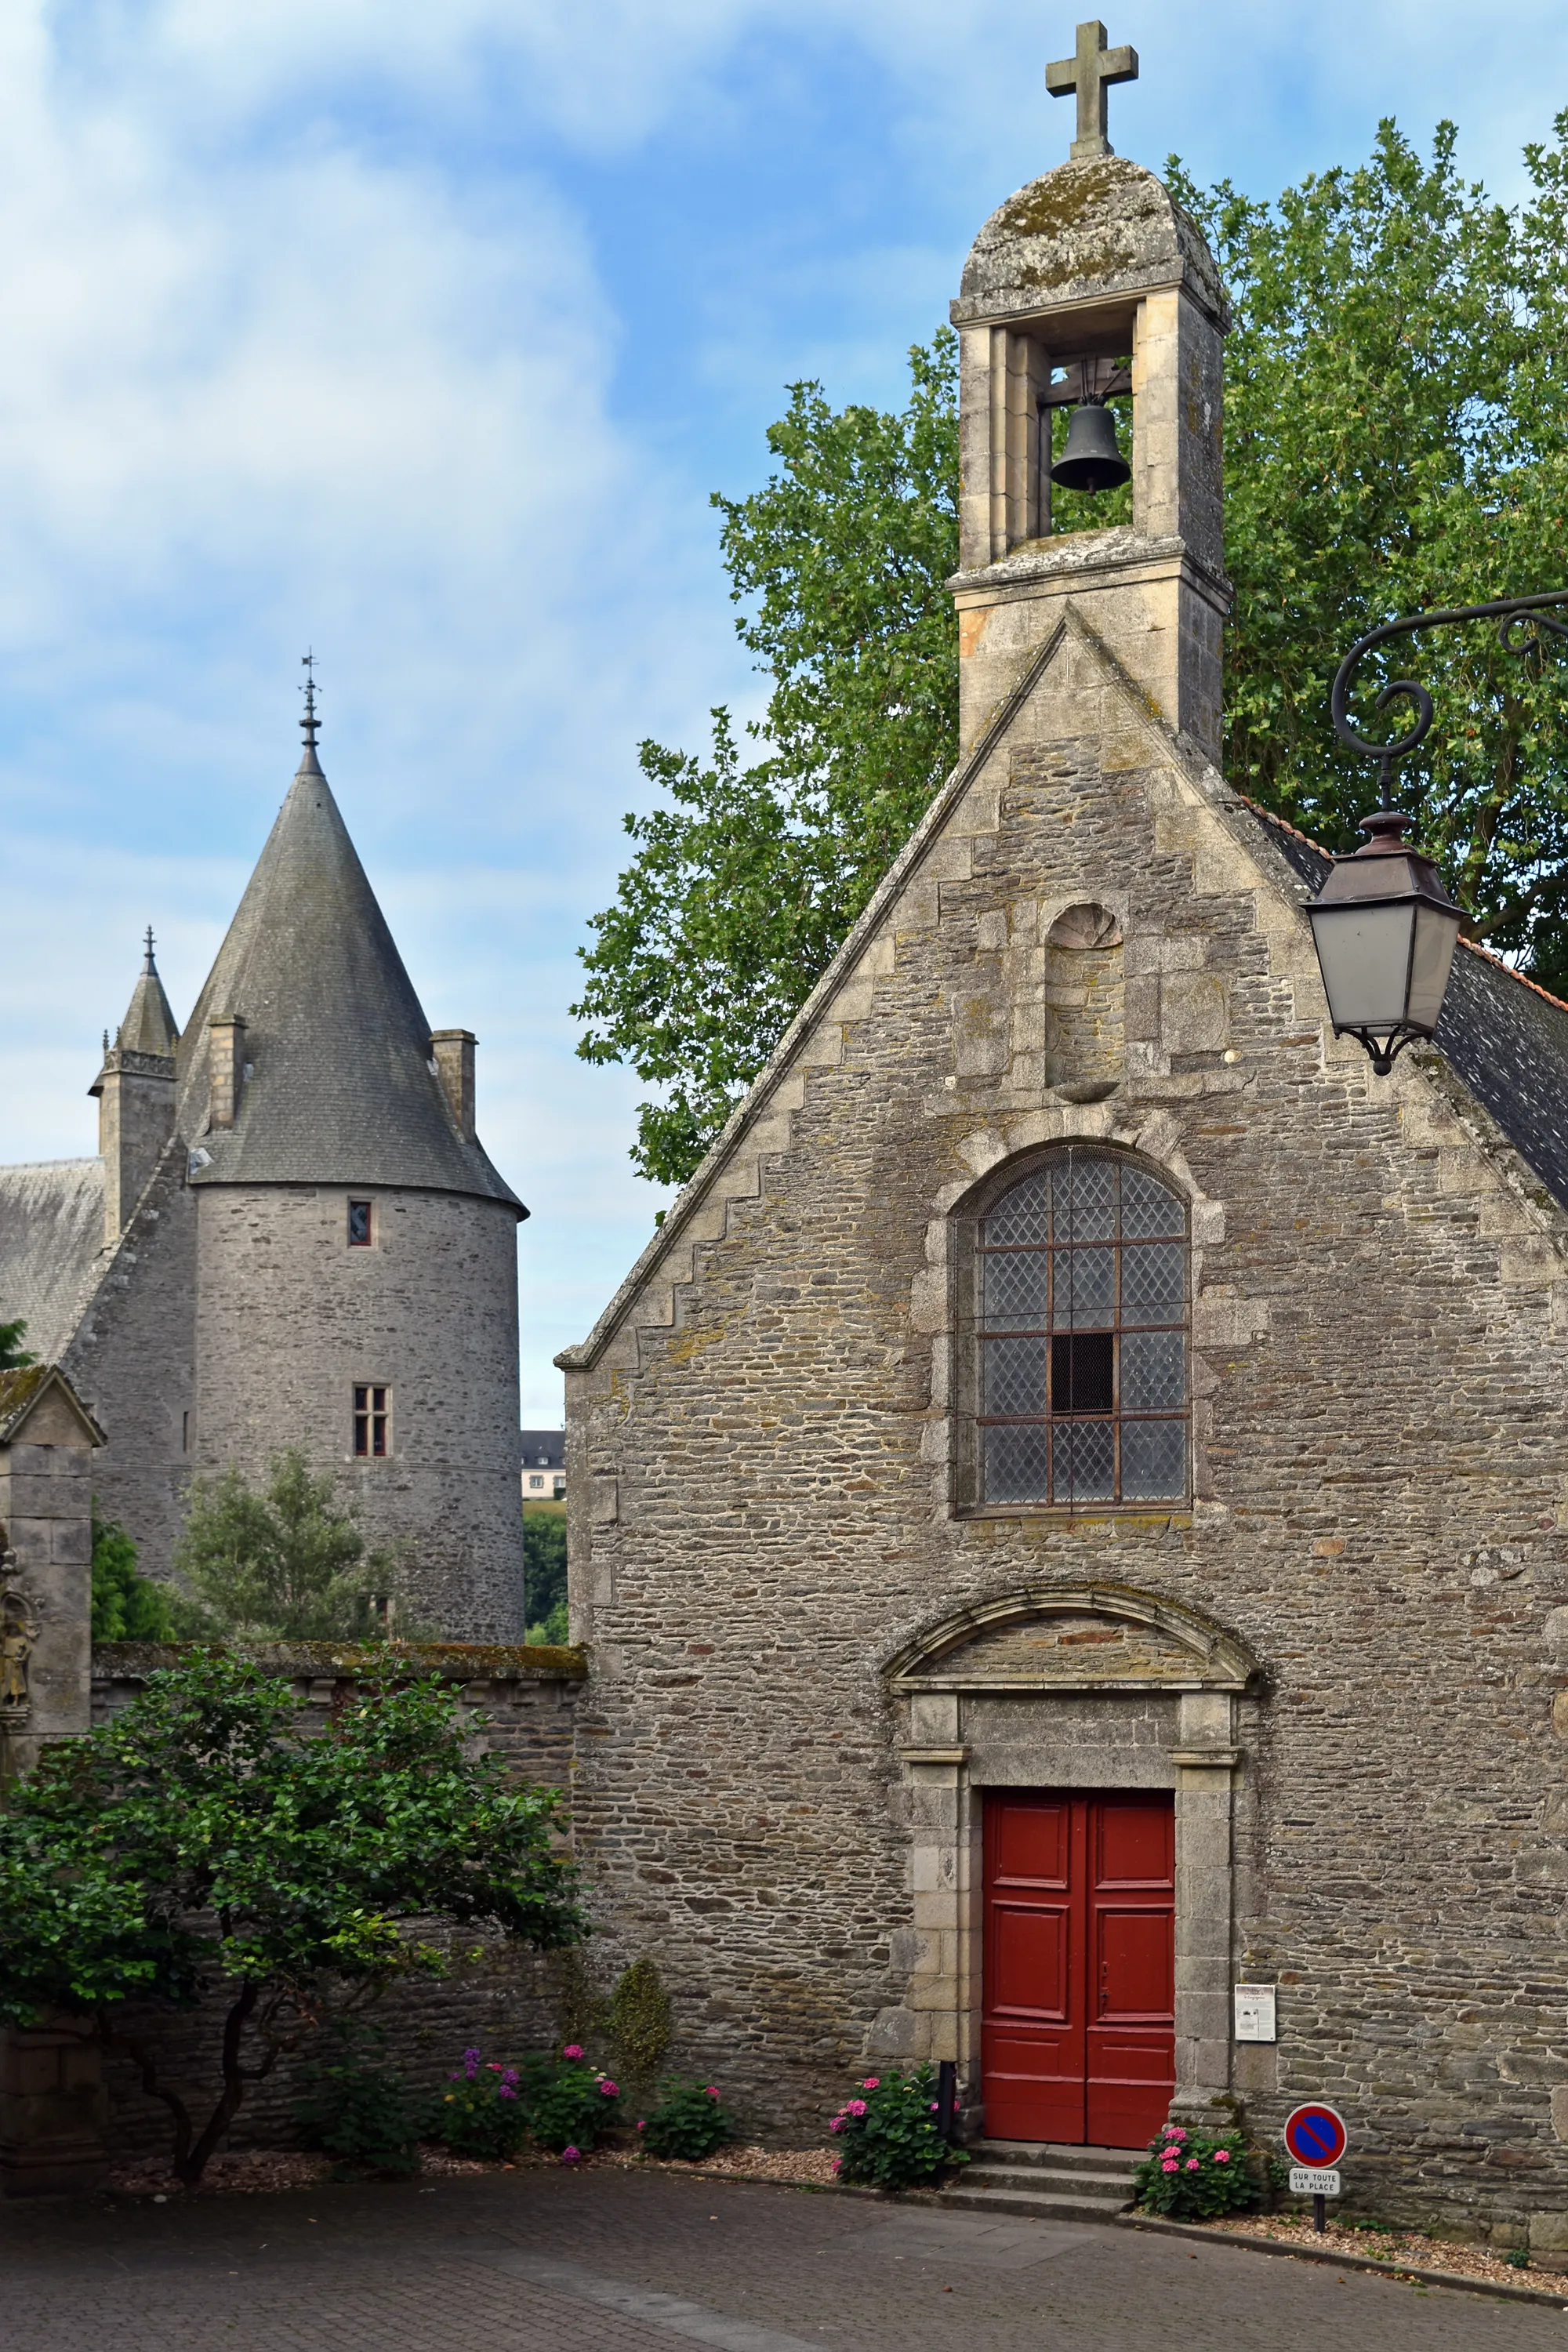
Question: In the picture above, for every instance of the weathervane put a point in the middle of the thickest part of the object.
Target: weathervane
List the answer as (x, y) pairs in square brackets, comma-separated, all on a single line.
[(310, 723), (1090, 73)]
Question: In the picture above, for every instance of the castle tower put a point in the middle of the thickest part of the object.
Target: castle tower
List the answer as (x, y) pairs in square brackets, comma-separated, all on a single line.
[(1090, 280), (356, 1288), (135, 1091)]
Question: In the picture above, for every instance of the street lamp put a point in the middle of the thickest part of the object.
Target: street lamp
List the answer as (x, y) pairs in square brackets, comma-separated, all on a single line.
[(1383, 924)]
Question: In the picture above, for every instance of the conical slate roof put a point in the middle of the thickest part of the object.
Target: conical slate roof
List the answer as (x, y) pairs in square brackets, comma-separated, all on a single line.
[(343, 1087), (149, 1025)]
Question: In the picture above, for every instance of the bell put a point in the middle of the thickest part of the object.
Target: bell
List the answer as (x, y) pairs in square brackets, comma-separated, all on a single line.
[(1091, 460)]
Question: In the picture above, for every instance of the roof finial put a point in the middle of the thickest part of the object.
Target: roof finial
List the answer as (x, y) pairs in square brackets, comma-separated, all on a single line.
[(147, 963), (309, 724)]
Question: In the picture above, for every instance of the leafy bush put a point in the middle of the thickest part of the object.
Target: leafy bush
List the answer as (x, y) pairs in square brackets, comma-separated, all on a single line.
[(888, 2134), (200, 1835), (1191, 2176), (569, 2104), (544, 1568), (356, 2109), (638, 2021), (688, 2122), (126, 1605), (484, 2115)]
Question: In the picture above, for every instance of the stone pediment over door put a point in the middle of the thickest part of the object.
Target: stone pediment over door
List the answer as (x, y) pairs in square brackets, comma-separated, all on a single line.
[(1087, 1638)]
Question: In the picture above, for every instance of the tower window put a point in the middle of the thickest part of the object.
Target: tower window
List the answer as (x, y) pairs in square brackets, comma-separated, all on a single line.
[(373, 1418), (359, 1225)]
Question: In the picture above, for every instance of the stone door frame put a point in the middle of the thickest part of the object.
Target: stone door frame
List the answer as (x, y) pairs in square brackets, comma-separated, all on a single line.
[(948, 1763)]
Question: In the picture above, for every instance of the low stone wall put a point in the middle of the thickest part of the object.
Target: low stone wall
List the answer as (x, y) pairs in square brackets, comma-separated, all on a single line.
[(509, 2000)]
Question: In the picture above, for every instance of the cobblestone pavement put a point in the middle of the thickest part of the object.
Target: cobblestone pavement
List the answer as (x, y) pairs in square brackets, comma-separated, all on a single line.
[(626, 2262)]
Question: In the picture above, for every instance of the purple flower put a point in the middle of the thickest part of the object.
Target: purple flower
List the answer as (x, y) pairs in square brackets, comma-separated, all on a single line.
[(470, 2064), (505, 2090), (571, 2156)]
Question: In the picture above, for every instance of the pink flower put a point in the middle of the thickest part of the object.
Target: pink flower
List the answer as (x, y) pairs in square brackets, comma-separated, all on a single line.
[(872, 2082), (610, 2090), (1170, 2128), (573, 2050), (642, 2125), (1192, 2164), (838, 2164), (935, 2107), (571, 2156), (494, 2065), (855, 2107), (712, 2090), (1169, 2165), (1222, 2155), (1175, 2131), (836, 2124)]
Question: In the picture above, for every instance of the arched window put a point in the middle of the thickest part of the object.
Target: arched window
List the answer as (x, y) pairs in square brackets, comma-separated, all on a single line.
[(1082, 1337)]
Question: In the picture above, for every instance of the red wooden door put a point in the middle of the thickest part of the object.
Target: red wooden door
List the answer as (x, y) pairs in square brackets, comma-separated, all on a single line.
[(1079, 2041)]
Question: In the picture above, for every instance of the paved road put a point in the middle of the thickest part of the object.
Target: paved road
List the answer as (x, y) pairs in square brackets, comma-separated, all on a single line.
[(553, 2262)]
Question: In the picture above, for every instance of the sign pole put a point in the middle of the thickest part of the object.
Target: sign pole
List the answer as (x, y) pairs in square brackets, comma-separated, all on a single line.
[(1319, 2214)]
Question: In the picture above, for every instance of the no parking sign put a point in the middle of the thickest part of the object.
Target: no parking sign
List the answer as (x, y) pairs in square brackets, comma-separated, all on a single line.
[(1316, 2136)]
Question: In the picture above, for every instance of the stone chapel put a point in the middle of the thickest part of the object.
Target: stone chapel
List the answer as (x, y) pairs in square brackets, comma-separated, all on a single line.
[(1070, 1512), (292, 1237)]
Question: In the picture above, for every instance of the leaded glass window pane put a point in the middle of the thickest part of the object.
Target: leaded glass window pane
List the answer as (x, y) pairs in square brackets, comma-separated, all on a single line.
[(1014, 1463), (1015, 1284), (1082, 1355), (1015, 1379), (1024, 1215), (1153, 1371), (1153, 1460), (1154, 1282)]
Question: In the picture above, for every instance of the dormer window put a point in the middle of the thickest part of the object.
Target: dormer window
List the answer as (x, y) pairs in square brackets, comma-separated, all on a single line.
[(359, 1225)]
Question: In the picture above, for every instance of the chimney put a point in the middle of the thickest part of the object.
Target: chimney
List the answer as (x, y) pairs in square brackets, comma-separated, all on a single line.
[(225, 1069), (453, 1052)]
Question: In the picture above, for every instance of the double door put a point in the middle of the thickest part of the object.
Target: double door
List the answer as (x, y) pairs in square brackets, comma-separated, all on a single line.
[(1079, 2033)]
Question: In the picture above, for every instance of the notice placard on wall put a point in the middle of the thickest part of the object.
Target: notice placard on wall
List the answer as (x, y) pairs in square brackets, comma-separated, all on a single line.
[(1254, 2012)]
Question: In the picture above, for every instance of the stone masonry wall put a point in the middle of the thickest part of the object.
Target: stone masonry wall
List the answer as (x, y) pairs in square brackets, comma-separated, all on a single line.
[(289, 1316), (763, 1441), (130, 1361), (509, 2002)]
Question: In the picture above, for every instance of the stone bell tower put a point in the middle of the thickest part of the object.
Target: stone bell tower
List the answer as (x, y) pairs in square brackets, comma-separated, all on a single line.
[(1089, 281)]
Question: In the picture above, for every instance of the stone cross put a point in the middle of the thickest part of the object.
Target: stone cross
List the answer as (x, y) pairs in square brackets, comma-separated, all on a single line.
[(1090, 73)]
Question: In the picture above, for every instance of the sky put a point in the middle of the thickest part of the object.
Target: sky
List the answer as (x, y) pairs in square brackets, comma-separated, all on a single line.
[(419, 335)]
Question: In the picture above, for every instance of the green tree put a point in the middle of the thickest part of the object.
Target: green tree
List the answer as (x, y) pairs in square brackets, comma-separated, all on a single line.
[(288, 1565), (747, 879), (545, 1574), (1397, 439), (14, 1357), (126, 1605), (199, 1836)]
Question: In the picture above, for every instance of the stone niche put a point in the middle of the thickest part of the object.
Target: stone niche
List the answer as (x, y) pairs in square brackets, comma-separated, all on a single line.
[(1085, 1000)]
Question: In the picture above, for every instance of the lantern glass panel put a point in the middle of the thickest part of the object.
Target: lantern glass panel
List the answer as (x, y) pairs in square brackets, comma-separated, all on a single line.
[(1364, 952), (1436, 934)]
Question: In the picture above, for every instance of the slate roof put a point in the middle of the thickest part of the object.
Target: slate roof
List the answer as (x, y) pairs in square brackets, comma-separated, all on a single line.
[(149, 1025), (344, 1090), (1501, 1034), (543, 1449), (51, 1237)]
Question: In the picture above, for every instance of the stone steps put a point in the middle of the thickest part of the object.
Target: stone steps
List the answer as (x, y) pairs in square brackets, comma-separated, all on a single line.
[(1045, 2182)]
